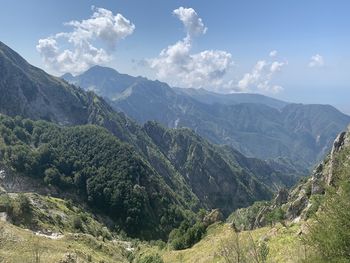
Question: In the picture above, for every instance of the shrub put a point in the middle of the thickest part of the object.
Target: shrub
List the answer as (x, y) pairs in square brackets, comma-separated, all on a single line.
[(329, 235), (77, 223), (150, 258), (186, 235), (275, 216)]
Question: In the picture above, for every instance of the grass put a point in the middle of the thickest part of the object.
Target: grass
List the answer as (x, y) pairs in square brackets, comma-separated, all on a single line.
[(19, 246), (91, 243), (284, 245)]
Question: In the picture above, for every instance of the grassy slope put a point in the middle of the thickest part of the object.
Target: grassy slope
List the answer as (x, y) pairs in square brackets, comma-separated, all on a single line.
[(20, 245), (17, 243), (284, 245)]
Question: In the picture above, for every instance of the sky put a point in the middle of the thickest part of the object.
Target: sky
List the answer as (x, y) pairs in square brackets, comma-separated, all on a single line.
[(298, 51)]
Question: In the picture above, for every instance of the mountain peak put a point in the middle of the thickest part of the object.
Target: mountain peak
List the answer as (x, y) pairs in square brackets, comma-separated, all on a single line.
[(11, 56), (101, 69)]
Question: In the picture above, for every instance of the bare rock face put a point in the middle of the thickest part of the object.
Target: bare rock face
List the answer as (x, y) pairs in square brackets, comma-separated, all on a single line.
[(317, 183), (322, 176), (297, 206), (260, 220), (342, 140), (281, 197)]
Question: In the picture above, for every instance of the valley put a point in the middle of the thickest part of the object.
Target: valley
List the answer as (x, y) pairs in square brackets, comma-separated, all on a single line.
[(105, 167)]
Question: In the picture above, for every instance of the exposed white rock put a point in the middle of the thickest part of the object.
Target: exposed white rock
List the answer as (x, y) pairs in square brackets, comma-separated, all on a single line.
[(2, 174), (54, 236), (3, 216)]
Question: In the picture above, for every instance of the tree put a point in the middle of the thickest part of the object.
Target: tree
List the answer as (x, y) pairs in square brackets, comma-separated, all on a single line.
[(52, 176), (276, 216)]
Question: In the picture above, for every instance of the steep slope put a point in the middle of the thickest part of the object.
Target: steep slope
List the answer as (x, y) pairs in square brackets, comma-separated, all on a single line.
[(256, 125), (214, 176), (64, 232), (28, 91), (96, 168), (18, 75), (147, 153), (304, 200)]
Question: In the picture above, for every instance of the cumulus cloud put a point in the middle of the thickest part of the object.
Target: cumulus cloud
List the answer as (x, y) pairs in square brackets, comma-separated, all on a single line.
[(260, 78), (177, 65), (102, 27), (273, 53), (193, 24), (316, 61)]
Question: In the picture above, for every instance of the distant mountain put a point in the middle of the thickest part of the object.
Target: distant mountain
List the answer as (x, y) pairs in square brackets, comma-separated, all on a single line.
[(109, 81), (256, 125), (151, 161), (209, 97)]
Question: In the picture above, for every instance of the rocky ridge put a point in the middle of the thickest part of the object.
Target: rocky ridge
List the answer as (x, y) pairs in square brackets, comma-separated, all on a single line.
[(302, 201)]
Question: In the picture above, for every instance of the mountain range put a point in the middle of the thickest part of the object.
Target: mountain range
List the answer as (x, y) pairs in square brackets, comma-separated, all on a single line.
[(256, 125), (166, 171), (127, 156)]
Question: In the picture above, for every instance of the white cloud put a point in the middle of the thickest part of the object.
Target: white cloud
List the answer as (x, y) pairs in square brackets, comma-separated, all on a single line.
[(103, 27), (273, 53), (276, 66), (316, 61), (193, 24), (260, 78), (178, 66)]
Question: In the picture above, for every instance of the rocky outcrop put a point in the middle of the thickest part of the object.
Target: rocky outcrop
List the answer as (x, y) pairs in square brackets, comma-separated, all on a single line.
[(322, 177), (342, 141), (298, 203), (317, 185), (281, 197)]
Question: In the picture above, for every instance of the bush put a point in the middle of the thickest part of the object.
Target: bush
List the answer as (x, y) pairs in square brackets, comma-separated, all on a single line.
[(52, 176), (329, 235), (186, 235), (77, 223), (20, 210), (275, 216), (150, 258)]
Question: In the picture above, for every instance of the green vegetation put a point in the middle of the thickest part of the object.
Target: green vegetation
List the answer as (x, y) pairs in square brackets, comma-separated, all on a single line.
[(329, 232), (256, 125), (244, 218), (150, 258), (186, 235), (214, 174), (116, 180), (277, 215), (18, 209), (221, 243), (18, 245), (49, 214), (119, 179), (107, 174)]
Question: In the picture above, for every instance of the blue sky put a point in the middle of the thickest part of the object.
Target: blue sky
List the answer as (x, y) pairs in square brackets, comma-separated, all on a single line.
[(234, 38)]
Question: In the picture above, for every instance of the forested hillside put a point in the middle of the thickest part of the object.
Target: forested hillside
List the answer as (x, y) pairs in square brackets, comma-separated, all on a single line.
[(255, 125)]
